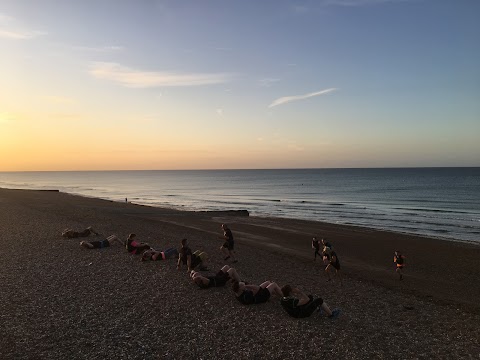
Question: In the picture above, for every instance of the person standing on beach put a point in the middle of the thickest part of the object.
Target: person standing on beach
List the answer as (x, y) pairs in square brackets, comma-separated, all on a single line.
[(228, 246), (316, 248), (399, 261), (299, 305), (334, 262), (101, 243)]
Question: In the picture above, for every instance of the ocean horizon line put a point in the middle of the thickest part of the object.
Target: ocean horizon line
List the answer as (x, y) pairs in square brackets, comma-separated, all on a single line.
[(254, 169)]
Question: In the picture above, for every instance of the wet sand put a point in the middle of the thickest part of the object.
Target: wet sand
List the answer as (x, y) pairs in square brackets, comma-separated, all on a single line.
[(59, 300)]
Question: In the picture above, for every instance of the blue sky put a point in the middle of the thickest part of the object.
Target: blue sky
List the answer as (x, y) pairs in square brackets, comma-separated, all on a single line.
[(239, 84)]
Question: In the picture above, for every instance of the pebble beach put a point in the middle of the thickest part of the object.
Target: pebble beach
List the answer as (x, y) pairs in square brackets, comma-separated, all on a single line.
[(61, 301)]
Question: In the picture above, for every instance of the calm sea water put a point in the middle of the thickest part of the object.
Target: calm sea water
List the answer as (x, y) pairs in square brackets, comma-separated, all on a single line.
[(437, 202)]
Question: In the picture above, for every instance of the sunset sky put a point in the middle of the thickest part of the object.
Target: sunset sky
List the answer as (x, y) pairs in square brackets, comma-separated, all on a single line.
[(153, 84)]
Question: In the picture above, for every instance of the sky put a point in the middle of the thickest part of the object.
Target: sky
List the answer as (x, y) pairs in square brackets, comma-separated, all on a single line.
[(172, 84)]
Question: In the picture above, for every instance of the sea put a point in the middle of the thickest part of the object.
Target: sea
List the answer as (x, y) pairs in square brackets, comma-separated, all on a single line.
[(434, 202)]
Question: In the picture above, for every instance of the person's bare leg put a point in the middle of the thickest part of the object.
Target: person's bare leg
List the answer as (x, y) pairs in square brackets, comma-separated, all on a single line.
[(325, 308), (233, 274), (92, 231), (327, 270), (265, 284), (275, 289), (86, 244)]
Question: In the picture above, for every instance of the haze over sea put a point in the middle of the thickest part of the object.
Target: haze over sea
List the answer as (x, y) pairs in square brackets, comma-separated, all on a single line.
[(436, 202)]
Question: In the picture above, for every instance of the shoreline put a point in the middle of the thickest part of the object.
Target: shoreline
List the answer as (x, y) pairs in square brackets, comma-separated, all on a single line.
[(241, 212), (56, 295)]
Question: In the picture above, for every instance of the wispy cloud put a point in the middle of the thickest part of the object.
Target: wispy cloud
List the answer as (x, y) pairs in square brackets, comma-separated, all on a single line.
[(287, 99), (359, 2), (5, 118), (268, 82), (219, 112), (133, 78), (11, 29), (101, 49)]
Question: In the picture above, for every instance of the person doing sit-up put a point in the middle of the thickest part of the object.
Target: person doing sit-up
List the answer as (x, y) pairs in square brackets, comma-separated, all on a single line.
[(70, 233), (101, 243), (155, 255), (255, 294), (192, 260), (135, 247), (300, 305), (225, 275)]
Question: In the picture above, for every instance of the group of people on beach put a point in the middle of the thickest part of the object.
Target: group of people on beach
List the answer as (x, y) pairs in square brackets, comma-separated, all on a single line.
[(295, 302)]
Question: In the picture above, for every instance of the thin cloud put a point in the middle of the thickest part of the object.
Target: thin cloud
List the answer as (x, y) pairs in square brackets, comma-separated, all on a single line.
[(356, 3), (106, 48), (287, 99), (268, 82), (58, 99), (133, 78), (219, 112), (10, 29)]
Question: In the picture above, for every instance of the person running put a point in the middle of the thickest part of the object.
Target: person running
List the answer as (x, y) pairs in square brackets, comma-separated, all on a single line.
[(334, 262), (299, 305), (70, 233), (101, 243), (255, 294), (135, 247), (228, 246), (399, 261), (326, 251), (316, 248), (154, 255), (192, 260), (225, 275)]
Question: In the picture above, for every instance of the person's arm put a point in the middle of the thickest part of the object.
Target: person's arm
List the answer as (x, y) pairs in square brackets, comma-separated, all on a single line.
[(179, 261), (302, 297), (189, 262)]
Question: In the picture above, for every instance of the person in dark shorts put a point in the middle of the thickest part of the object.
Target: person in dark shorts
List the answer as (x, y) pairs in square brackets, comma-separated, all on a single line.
[(222, 277), (71, 234), (101, 243), (316, 248), (228, 246), (334, 263), (154, 255), (255, 294), (399, 261), (299, 305), (192, 260), (135, 247)]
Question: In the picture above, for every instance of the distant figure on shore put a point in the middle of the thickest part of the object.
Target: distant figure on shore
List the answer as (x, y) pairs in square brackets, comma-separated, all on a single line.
[(192, 260), (101, 243), (316, 248), (154, 255), (399, 261), (255, 294), (70, 233), (225, 275), (228, 246), (334, 262), (126, 200), (135, 247), (299, 305)]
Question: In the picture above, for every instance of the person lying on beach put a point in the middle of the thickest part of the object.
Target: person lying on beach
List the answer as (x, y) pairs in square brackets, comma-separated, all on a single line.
[(228, 246), (399, 261), (70, 233), (316, 248), (154, 255), (334, 262), (192, 260), (101, 243), (225, 275), (135, 247), (299, 305), (255, 294)]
